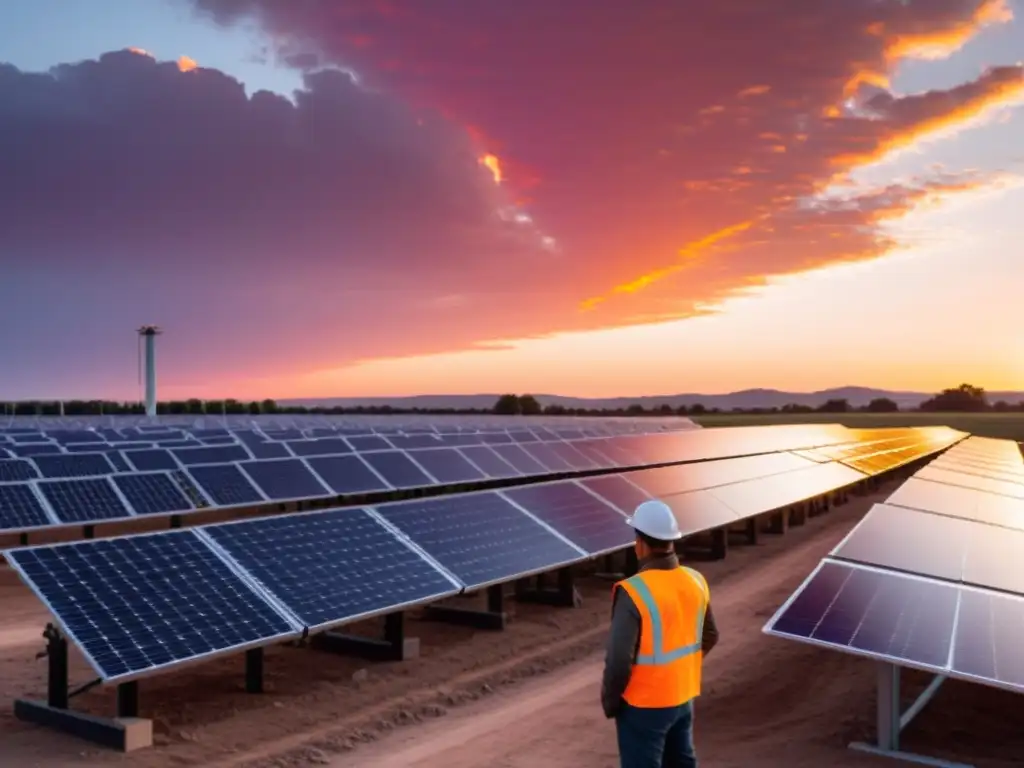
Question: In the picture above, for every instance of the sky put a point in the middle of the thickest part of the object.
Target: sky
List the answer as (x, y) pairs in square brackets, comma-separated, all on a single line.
[(590, 197)]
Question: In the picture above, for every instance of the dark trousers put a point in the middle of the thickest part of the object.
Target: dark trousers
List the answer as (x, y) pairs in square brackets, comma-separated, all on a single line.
[(656, 738)]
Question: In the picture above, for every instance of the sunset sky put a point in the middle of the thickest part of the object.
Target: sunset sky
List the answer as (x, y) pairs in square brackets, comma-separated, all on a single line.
[(581, 197)]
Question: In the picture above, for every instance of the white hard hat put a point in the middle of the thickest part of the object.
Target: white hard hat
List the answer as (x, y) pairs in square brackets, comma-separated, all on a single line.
[(655, 519)]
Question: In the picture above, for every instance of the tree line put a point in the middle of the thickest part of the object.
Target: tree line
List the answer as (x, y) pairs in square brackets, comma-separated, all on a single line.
[(965, 398)]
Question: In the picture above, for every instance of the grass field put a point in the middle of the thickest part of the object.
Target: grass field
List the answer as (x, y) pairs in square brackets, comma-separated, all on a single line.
[(1004, 425)]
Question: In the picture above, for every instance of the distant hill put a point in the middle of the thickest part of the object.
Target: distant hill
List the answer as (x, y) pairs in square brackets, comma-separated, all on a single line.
[(745, 399)]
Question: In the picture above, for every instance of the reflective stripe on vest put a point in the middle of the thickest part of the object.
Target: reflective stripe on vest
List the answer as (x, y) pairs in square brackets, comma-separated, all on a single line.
[(661, 656)]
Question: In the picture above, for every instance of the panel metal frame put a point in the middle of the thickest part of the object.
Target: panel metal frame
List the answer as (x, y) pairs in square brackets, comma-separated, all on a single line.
[(161, 668), (583, 556), (587, 555)]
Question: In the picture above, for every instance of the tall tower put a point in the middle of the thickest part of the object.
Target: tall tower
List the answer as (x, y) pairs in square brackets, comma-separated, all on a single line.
[(149, 334)]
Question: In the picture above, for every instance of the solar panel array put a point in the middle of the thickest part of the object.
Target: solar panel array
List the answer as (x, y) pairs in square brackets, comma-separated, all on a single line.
[(144, 603), (931, 578), (226, 475)]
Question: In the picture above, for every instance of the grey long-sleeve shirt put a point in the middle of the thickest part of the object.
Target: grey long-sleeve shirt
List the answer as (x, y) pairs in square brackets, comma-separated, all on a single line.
[(624, 638)]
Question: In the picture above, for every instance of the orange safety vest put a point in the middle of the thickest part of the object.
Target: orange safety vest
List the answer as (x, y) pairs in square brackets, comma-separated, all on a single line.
[(672, 603)]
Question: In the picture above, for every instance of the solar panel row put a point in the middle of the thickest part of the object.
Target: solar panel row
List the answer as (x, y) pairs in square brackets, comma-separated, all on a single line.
[(143, 603), (85, 499), (931, 578)]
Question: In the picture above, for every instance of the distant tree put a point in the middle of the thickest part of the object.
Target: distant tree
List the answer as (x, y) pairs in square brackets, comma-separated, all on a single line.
[(635, 410), (965, 398), (194, 405), (796, 408), (697, 409), (665, 409), (835, 405), (882, 405), (528, 406), (507, 405), (268, 406)]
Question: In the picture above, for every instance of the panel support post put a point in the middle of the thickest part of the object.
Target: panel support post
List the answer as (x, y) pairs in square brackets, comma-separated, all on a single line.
[(798, 515), (254, 670), (125, 733), (57, 668), (719, 543), (563, 595), (493, 617), (395, 646), (779, 522), (752, 530), (128, 699), (609, 570), (889, 722)]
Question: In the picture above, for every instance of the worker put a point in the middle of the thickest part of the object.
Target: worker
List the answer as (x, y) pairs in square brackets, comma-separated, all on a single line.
[(662, 627)]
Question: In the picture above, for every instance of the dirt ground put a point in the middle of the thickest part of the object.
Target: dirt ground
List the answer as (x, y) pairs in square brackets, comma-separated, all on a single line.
[(524, 697)]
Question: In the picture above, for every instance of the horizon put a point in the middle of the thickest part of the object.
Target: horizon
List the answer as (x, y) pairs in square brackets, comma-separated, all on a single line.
[(828, 201)]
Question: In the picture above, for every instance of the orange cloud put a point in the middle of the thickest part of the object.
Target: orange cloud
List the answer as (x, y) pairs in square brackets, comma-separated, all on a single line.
[(140, 51), (754, 90), (185, 64), (492, 164)]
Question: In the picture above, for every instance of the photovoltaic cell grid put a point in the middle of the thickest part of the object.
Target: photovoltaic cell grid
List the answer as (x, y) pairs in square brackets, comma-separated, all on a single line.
[(74, 465), (908, 620), (83, 500), (20, 508), (16, 470), (333, 566), (141, 603), (590, 523), (150, 460), (398, 469), (480, 538), (225, 485), (346, 475), (447, 465), (152, 494), (284, 479)]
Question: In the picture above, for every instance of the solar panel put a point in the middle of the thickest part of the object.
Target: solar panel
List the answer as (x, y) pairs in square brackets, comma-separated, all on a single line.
[(547, 457), (86, 447), (17, 470), (118, 461), (219, 454), (83, 500), (480, 538), (765, 494), (21, 508), (334, 566), (699, 511), (327, 447), (584, 519), (5, 454), (956, 501), (987, 641), (406, 442), (1015, 490), (447, 465), (284, 479), (901, 618), (592, 450), (152, 494), (151, 460), (520, 459), (268, 450), (489, 462), (618, 491), (574, 458), (369, 443), (346, 475), (495, 438), (225, 484), (74, 465), (142, 603), (36, 449), (398, 469)]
